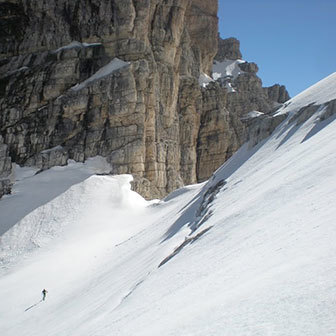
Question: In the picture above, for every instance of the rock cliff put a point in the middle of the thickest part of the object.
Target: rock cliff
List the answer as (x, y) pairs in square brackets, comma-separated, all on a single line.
[(120, 79), (5, 169), (226, 104), (228, 49)]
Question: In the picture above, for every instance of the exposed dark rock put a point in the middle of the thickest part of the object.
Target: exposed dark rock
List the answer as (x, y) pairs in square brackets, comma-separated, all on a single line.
[(277, 93), (5, 169), (13, 23), (221, 132), (249, 67), (187, 241), (261, 127), (228, 49)]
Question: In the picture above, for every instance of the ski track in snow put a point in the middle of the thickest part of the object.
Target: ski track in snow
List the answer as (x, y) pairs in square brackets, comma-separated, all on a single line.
[(266, 267)]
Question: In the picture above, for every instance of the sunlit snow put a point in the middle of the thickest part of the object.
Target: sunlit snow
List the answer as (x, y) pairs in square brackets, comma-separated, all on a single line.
[(30, 192), (226, 68), (115, 65), (252, 114), (250, 252), (318, 94), (204, 80), (76, 44)]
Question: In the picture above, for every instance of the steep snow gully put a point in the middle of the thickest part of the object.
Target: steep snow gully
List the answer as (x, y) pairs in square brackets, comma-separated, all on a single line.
[(250, 252)]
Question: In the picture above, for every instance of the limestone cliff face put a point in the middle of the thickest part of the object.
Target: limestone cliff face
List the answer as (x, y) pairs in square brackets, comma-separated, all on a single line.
[(120, 78), (5, 169), (249, 94), (131, 115), (277, 93), (225, 104), (228, 49), (221, 132)]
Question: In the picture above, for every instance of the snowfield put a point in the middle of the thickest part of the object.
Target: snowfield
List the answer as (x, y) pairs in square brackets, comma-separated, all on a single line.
[(250, 252)]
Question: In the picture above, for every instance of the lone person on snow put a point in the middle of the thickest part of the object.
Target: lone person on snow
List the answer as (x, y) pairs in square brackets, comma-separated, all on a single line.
[(44, 294)]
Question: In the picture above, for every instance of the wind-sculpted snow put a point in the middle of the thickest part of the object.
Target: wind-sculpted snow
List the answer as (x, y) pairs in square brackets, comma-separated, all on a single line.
[(32, 191), (249, 252), (88, 203)]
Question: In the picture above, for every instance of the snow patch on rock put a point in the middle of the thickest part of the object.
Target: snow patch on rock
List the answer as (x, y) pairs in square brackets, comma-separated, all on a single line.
[(252, 114), (226, 68), (204, 80), (76, 44), (115, 65)]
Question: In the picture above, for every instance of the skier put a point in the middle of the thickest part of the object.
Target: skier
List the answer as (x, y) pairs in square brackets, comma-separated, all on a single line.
[(44, 294)]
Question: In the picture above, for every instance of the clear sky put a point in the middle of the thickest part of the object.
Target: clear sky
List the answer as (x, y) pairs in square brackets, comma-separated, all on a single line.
[(292, 41)]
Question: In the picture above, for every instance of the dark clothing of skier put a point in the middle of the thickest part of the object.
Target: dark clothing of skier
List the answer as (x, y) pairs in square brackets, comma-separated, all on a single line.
[(44, 294)]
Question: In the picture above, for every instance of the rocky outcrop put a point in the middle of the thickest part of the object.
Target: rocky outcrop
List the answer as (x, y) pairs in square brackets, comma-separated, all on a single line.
[(228, 49), (277, 93), (224, 126), (324, 111), (249, 67), (221, 132), (261, 127), (248, 93), (248, 96)]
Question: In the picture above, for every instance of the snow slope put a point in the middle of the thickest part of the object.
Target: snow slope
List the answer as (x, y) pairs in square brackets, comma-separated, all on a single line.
[(250, 252), (30, 192), (318, 94)]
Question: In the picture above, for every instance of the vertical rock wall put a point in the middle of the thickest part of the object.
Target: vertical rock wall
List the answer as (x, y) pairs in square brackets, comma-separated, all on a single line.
[(136, 116), (221, 132), (5, 169), (120, 78)]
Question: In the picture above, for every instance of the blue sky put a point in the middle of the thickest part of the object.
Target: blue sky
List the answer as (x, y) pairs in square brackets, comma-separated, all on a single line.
[(292, 41)]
